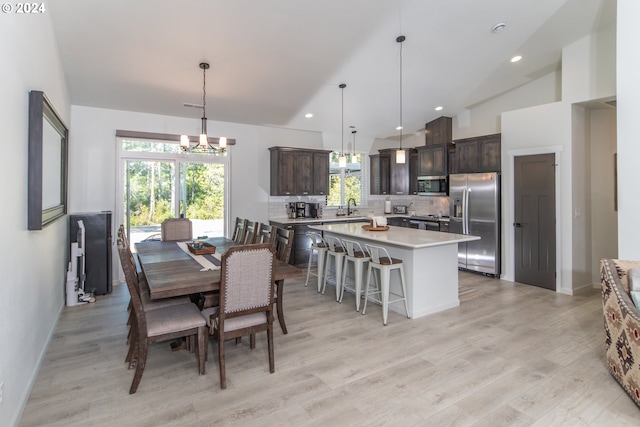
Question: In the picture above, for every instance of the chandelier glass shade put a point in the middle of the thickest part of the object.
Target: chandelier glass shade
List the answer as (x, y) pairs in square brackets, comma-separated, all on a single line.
[(342, 160), (400, 153)]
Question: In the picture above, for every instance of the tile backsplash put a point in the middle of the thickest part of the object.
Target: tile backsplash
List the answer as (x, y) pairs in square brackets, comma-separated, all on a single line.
[(423, 205)]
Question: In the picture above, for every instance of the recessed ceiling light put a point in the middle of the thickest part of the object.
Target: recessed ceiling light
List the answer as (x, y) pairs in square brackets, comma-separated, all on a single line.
[(399, 128), (308, 115), (439, 108), (499, 27), (516, 58)]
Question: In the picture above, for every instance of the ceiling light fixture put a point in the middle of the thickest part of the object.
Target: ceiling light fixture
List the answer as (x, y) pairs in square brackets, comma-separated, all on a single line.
[(439, 108), (400, 154), (342, 160), (516, 58), (308, 115), (203, 145)]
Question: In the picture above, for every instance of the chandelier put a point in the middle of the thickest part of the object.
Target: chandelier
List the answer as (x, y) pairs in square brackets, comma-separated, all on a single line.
[(205, 144)]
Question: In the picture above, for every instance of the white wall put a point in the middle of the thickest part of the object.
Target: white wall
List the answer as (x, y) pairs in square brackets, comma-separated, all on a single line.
[(32, 262), (628, 70)]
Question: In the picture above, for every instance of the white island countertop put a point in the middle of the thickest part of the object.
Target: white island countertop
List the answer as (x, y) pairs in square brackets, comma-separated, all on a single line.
[(397, 236)]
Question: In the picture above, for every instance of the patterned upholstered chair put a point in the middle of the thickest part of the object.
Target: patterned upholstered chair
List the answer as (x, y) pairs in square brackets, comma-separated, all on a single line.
[(621, 325), (246, 299)]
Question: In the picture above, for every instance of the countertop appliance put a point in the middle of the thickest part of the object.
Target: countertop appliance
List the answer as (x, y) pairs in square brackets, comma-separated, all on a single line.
[(433, 186), (474, 208), (304, 210), (400, 209)]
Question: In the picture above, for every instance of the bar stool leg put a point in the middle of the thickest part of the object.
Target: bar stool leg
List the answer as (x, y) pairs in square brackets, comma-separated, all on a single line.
[(385, 276), (321, 267), (339, 261), (366, 289), (358, 267), (344, 276), (404, 291)]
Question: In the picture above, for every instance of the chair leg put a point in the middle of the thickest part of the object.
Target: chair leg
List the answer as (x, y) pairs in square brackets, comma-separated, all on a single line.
[(322, 259), (357, 266), (202, 345), (385, 276), (309, 268), (140, 363), (272, 364), (279, 307), (344, 277), (252, 341), (404, 292), (223, 376), (366, 290), (339, 262)]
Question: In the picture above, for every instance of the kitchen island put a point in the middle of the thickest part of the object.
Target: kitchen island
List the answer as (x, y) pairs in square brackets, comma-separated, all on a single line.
[(430, 261)]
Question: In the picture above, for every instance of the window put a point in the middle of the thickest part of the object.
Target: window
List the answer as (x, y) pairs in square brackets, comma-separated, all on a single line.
[(346, 183)]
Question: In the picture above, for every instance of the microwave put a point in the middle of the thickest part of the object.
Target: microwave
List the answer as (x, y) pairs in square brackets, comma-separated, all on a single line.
[(433, 185)]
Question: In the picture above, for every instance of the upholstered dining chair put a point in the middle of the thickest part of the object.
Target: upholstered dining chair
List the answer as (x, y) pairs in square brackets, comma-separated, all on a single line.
[(246, 299), (239, 230), (161, 324), (174, 229)]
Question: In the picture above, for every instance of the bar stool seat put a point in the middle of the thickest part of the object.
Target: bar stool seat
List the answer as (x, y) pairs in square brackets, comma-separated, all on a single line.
[(357, 256), (319, 246), (337, 252), (382, 261)]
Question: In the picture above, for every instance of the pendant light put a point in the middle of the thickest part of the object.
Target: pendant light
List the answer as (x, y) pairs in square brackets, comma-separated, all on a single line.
[(400, 154), (342, 160), (353, 132), (203, 144)]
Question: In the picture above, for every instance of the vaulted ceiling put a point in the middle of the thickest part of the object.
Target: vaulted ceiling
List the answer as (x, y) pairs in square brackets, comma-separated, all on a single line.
[(272, 61)]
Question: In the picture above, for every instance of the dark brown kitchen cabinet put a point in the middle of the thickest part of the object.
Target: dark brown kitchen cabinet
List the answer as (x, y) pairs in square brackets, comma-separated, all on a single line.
[(413, 171), (299, 172), (396, 174), (432, 160), (479, 154), (452, 159), (438, 131), (380, 165)]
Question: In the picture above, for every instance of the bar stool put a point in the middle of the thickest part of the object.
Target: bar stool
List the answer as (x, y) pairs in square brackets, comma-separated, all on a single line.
[(381, 261), (358, 257), (337, 252), (318, 245)]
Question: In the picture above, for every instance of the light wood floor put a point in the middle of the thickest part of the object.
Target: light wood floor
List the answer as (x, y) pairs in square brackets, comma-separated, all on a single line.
[(510, 355)]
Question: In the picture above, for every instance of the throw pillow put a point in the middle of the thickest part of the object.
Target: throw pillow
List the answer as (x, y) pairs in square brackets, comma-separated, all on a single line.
[(635, 296), (634, 279)]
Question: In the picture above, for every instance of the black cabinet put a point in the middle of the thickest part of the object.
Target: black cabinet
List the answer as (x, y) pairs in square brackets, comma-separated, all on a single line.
[(438, 131), (97, 249), (299, 172), (398, 221), (380, 167), (432, 160), (413, 172)]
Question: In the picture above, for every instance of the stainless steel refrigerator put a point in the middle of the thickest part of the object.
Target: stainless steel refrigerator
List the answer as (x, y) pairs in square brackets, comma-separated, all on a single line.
[(474, 208)]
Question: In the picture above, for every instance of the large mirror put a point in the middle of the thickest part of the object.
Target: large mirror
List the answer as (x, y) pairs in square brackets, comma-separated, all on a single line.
[(48, 141)]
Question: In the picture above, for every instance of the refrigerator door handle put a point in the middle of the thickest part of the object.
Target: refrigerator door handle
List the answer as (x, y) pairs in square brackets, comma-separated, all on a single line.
[(465, 229)]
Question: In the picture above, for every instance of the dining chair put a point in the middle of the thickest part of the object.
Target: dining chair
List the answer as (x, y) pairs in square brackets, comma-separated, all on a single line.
[(283, 244), (246, 299), (239, 230), (266, 234), (250, 233), (175, 229), (161, 324)]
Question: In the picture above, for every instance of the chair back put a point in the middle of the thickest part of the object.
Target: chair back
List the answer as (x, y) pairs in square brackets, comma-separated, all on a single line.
[(239, 230), (317, 240), (250, 233), (354, 249), (247, 280), (284, 243), (174, 229), (379, 255), (133, 286), (266, 234), (335, 245)]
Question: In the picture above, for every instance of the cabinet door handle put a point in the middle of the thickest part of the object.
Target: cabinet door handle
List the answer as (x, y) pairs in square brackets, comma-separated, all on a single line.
[(517, 224), (305, 192)]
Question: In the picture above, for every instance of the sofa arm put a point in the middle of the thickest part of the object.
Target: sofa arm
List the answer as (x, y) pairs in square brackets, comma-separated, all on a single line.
[(622, 325)]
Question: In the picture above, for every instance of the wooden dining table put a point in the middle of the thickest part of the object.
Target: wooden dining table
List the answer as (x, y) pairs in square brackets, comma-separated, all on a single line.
[(171, 272)]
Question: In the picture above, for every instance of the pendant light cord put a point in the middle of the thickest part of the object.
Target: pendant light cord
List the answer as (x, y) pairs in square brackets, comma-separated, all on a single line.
[(400, 40), (342, 86)]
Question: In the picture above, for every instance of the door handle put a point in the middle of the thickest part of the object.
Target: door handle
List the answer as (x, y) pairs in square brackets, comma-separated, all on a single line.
[(517, 224)]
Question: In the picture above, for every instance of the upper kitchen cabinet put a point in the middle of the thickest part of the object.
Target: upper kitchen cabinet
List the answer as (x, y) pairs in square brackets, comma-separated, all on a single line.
[(432, 160), (380, 173), (398, 173), (413, 171), (478, 154), (438, 131), (299, 172)]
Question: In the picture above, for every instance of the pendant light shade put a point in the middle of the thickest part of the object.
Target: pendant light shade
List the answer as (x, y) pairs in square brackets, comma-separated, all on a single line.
[(400, 154), (342, 160)]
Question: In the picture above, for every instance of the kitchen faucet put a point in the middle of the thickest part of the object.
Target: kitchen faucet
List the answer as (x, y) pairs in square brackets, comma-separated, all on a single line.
[(349, 205)]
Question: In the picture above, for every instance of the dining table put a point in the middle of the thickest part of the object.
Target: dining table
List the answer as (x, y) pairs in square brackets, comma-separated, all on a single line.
[(171, 271)]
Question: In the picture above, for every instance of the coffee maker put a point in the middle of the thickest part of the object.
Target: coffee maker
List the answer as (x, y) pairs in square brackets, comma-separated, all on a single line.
[(313, 210)]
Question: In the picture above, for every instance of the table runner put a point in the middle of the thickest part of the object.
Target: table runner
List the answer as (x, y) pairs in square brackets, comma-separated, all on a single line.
[(208, 262)]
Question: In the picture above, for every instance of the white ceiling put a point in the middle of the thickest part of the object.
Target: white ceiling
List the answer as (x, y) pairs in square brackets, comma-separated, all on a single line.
[(272, 61)]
